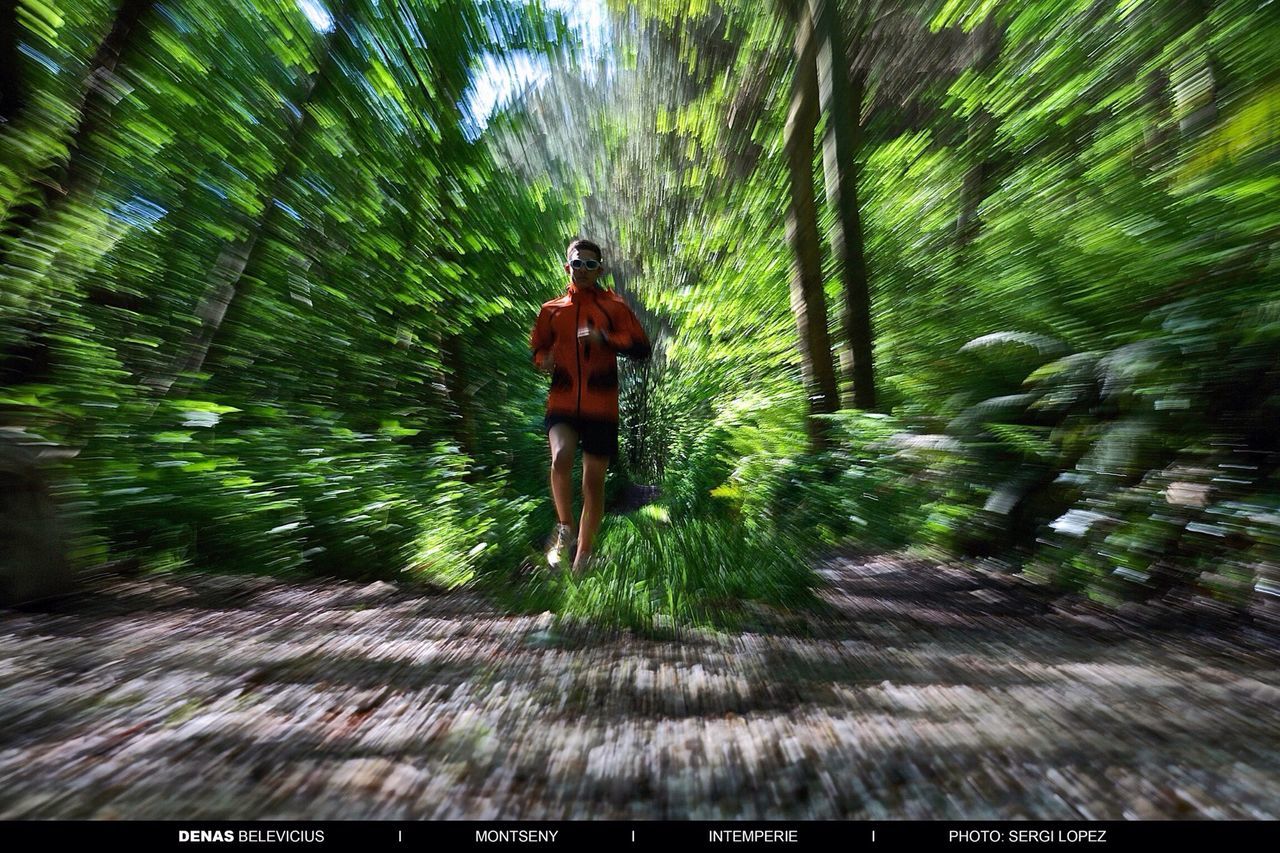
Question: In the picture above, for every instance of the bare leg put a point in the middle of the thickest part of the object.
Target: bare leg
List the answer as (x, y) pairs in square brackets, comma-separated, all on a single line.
[(563, 441), (593, 470)]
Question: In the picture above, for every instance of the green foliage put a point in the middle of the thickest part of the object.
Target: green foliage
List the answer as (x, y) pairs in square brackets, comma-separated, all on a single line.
[(236, 316), (272, 285), (1093, 176), (1138, 468), (863, 488), (657, 569)]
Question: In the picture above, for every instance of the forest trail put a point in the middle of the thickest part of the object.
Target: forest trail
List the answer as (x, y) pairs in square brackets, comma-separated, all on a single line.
[(924, 691)]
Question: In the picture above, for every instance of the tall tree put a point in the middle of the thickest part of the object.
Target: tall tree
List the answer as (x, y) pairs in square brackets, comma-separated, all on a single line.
[(841, 99), (227, 277), (984, 159), (62, 178), (808, 301), (12, 97)]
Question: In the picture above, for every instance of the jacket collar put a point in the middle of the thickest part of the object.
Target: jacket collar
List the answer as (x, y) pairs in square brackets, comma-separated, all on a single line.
[(576, 292)]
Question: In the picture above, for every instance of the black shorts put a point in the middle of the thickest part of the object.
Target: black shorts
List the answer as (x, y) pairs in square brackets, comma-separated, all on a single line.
[(599, 438)]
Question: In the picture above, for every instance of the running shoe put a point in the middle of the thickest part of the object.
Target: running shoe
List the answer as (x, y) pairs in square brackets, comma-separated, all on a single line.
[(562, 546)]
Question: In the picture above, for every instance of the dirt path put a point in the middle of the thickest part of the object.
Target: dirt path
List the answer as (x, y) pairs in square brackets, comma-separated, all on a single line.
[(928, 692)]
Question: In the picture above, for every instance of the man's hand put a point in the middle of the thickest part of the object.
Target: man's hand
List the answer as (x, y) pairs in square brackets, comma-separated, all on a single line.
[(595, 336)]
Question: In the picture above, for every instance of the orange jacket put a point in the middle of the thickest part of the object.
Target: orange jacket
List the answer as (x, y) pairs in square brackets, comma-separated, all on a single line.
[(584, 381)]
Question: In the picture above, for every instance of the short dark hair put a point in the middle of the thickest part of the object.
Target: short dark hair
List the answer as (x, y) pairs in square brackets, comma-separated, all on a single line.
[(583, 243)]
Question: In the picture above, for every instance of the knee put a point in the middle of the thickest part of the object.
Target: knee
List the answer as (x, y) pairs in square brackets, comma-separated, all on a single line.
[(562, 460)]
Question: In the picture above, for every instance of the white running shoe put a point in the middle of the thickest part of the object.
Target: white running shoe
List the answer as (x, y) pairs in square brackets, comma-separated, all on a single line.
[(562, 546)]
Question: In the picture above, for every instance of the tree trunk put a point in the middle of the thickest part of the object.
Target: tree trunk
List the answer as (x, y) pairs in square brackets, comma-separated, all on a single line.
[(35, 558), (808, 302), (77, 172), (983, 159), (842, 102), (1196, 94), (12, 96), (973, 189), (1159, 131), (223, 284), (31, 198), (458, 391), (226, 279)]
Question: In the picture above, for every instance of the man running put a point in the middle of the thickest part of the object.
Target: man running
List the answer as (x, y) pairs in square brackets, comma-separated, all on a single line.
[(577, 339)]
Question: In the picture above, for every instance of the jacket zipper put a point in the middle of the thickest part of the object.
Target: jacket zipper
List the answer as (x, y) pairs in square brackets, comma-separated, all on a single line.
[(577, 322)]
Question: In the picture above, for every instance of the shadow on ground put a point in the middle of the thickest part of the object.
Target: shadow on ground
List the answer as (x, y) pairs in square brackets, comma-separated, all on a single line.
[(918, 690)]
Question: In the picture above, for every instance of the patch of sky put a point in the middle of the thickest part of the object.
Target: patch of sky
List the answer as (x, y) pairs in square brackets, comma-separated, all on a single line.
[(237, 172), (410, 25), (181, 24), (503, 78), (320, 186), (139, 212), (49, 64), (213, 188), (317, 14)]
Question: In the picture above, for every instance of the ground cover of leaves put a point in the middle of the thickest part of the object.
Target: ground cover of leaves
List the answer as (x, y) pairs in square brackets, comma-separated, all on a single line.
[(924, 690)]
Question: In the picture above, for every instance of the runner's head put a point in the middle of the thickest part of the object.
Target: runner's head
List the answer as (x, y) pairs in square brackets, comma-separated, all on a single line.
[(581, 255)]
